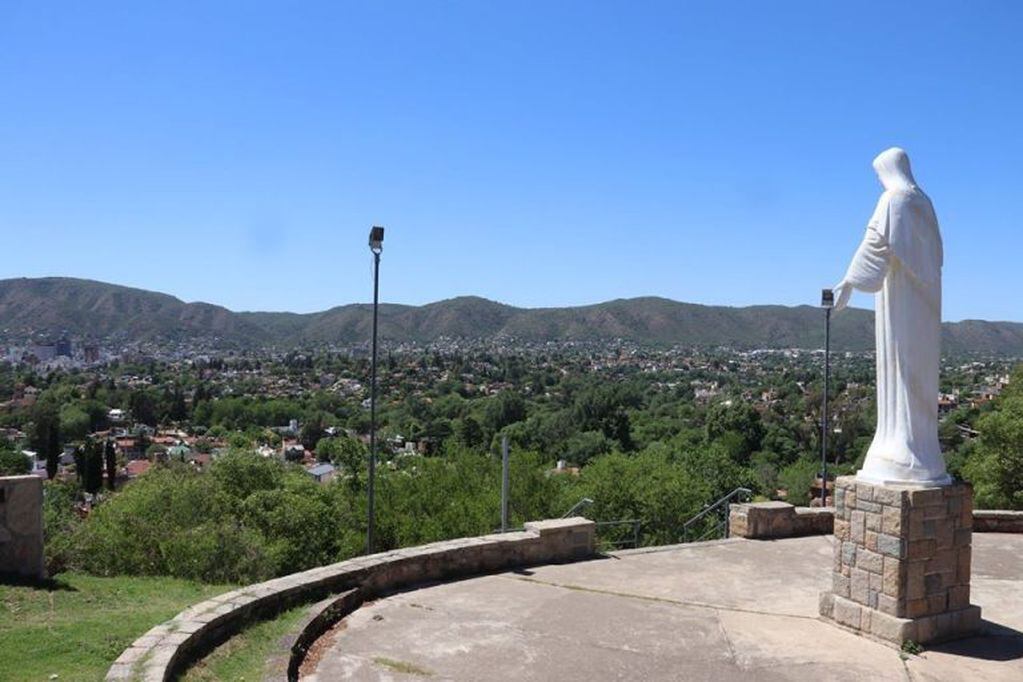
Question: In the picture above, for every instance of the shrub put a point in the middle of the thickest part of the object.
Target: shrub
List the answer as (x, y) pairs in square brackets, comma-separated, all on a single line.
[(13, 463), (59, 524), (139, 531), (648, 486), (797, 480)]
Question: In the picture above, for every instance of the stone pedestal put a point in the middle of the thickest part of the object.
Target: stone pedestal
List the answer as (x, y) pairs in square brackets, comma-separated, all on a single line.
[(902, 562), (21, 527)]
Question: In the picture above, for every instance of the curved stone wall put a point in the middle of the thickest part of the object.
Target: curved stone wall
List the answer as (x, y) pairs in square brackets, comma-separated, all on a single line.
[(170, 647)]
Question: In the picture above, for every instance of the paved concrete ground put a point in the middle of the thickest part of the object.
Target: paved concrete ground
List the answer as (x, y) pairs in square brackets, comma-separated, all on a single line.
[(731, 610)]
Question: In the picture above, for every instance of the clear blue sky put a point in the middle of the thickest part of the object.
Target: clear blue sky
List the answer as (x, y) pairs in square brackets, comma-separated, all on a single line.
[(538, 153)]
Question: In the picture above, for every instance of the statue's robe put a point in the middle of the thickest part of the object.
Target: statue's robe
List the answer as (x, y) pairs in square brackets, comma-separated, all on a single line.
[(900, 261)]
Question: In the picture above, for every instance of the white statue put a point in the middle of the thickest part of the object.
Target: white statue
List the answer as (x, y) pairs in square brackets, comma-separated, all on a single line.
[(900, 262)]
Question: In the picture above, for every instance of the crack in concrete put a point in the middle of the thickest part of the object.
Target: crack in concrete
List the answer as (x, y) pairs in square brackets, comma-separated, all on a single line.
[(728, 640)]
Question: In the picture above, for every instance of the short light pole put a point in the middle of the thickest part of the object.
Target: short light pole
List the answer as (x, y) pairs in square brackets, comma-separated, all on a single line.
[(376, 245), (827, 302)]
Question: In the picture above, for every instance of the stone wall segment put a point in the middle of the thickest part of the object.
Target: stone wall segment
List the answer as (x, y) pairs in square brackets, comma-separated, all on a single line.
[(168, 648)]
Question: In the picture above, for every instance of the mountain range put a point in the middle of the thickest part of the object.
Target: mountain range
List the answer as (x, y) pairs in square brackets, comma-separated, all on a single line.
[(85, 308)]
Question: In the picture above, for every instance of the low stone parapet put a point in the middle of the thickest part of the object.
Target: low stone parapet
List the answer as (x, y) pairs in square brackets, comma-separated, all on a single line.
[(997, 521), (765, 520), (171, 646), (772, 520)]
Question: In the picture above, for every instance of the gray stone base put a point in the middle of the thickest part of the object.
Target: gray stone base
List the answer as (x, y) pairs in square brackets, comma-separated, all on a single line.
[(923, 630), (21, 527)]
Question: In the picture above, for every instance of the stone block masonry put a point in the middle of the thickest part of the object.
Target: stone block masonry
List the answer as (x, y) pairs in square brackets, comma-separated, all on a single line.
[(21, 527), (902, 562), (997, 521), (769, 520)]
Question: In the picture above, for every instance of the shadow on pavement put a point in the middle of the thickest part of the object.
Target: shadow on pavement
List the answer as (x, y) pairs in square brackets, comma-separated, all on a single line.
[(997, 643)]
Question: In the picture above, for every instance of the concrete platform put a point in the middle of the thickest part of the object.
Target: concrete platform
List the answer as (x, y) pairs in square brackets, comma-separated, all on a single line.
[(730, 610)]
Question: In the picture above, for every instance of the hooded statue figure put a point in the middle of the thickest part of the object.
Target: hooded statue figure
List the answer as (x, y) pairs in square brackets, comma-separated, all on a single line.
[(900, 262)]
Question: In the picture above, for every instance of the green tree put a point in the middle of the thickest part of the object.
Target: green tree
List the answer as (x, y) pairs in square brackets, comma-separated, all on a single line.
[(996, 466), (603, 408), (468, 432), (347, 453), (143, 407), (507, 407), (75, 422), (44, 436), (13, 463), (649, 487), (240, 473), (110, 461), (582, 448), (311, 433), (179, 408), (797, 480), (89, 464), (739, 418), (171, 521)]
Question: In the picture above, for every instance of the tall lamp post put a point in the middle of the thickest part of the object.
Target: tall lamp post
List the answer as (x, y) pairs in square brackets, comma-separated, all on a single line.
[(827, 302), (376, 245)]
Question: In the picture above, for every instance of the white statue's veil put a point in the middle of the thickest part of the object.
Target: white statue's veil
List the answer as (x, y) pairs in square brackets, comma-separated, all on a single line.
[(919, 250)]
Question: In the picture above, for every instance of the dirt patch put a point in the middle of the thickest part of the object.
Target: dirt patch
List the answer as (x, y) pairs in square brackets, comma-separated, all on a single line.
[(319, 647)]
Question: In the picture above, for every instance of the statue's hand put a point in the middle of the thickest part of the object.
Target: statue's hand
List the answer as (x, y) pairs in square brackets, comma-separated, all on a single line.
[(843, 290)]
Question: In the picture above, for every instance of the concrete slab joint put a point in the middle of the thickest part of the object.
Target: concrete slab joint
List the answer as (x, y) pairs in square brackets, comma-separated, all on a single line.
[(902, 562)]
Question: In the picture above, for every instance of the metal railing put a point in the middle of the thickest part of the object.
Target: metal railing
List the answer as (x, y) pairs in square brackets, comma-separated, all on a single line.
[(719, 510), (585, 502), (616, 540), (608, 540), (630, 540)]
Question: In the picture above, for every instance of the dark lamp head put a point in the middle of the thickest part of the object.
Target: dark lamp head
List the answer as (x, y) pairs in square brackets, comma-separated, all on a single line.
[(376, 239)]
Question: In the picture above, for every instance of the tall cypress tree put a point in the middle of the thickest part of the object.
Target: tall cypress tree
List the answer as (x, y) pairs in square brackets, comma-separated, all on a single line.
[(45, 437), (110, 454), (93, 466), (89, 462)]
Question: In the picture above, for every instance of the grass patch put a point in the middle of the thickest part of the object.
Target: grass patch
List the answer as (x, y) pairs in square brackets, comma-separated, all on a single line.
[(402, 667), (245, 656), (77, 625)]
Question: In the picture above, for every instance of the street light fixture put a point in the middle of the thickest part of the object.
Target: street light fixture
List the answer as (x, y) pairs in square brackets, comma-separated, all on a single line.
[(376, 240), (827, 302), (376, 245)]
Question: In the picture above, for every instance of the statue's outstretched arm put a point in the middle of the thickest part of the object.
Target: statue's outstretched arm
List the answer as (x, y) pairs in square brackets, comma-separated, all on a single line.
[(868, 267)]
